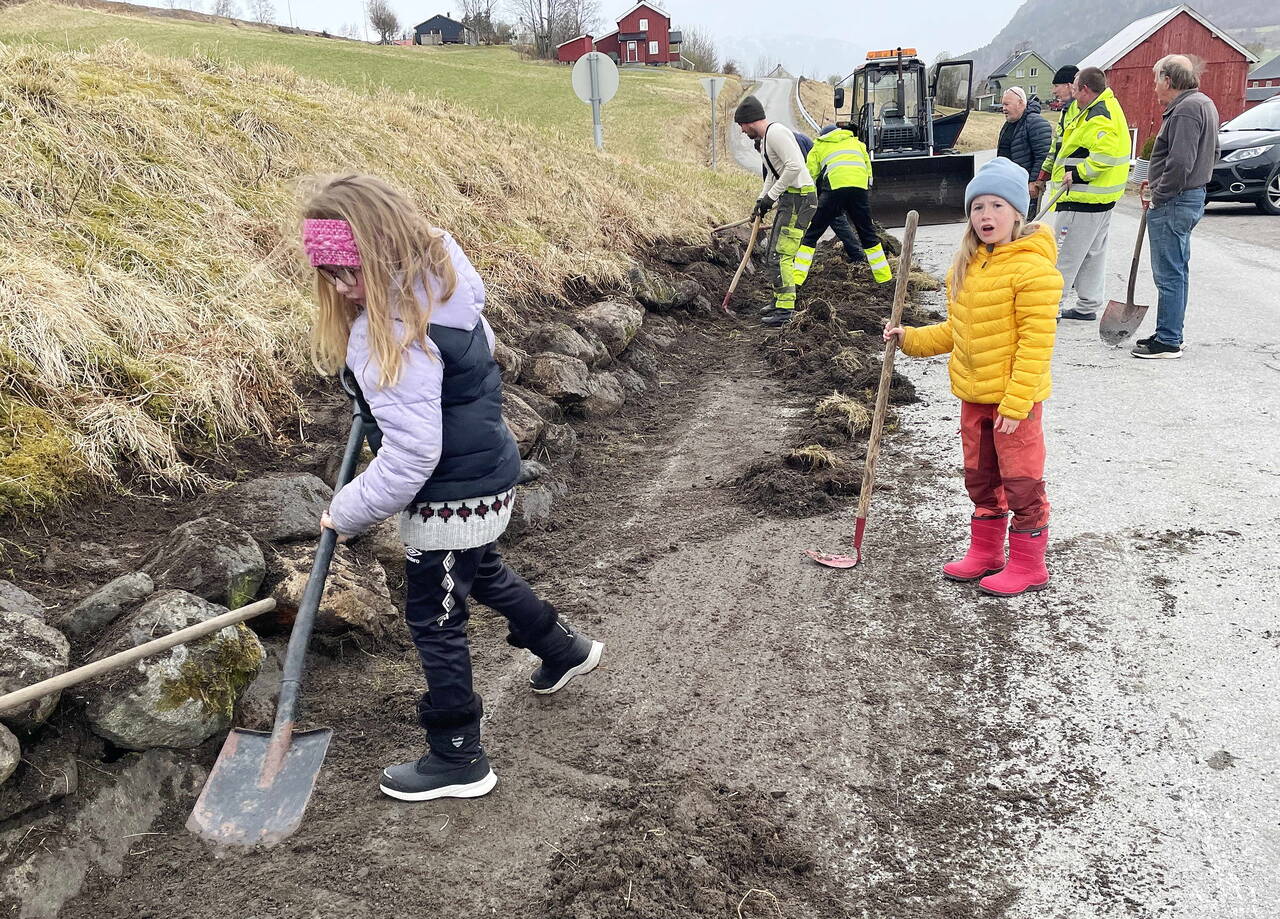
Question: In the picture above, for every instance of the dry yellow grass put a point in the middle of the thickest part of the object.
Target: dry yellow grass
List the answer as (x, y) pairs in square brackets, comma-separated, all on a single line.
[(819, 101), (815, 456), (852, 413), (981, 132), (150, 287)]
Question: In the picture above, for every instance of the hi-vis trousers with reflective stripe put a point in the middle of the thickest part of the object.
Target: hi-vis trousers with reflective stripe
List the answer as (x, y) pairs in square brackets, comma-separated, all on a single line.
[(791, 218), (856, 203)]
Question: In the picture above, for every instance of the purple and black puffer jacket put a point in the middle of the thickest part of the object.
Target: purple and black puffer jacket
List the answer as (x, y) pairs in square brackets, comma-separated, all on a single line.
[(442, 433)]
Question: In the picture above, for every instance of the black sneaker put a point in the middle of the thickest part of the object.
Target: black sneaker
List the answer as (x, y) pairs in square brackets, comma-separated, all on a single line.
[(431, 777), (1078, 315), (1154, 349), (582, 658), (777, 317)]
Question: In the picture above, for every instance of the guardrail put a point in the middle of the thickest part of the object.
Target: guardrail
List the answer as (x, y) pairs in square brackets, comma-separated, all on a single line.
[(803, 111)]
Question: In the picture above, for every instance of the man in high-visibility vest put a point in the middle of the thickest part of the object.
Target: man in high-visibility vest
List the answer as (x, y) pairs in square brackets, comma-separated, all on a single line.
[(1093, 164), (841, 167), (788, 186), (1063, 85)]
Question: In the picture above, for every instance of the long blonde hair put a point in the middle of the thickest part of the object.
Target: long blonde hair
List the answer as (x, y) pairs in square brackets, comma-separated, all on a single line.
[(399, 250), (970, 244)]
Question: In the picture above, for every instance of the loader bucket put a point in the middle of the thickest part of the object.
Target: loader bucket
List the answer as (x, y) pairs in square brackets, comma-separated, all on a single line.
[(932, 185)]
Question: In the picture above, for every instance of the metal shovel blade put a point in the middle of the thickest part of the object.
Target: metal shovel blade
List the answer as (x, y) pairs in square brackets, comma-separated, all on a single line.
[(1119, 321), (834, 561), (247, 801)]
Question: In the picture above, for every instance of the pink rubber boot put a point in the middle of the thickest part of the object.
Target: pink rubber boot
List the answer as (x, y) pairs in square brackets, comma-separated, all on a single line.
[(986, 551), (1026, 569)]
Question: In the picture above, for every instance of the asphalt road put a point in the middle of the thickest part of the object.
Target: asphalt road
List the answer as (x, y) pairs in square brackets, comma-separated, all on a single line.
[(775, 95), (1153, 661)]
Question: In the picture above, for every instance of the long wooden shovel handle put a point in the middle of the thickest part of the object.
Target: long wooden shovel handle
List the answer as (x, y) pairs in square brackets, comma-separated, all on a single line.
[(1137, 255), (125, 658), (886, 368), (1052, 201), (746, 257), (730, 226)]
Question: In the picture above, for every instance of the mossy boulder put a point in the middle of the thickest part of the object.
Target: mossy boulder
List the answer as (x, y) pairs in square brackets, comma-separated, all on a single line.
[(30, 651), (180, 698)]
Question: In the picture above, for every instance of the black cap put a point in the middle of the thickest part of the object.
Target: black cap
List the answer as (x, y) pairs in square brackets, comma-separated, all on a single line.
[(749, 110), (1066, 74)]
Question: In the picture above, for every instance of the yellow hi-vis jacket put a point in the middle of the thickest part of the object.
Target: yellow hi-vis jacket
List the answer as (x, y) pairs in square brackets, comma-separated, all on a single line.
[(1068, 115), (1096, 146), (842, 157)]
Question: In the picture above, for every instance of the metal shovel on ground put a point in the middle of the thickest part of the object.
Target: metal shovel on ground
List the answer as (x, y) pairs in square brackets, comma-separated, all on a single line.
[(1121, 319), (261, 783), (882, 406)]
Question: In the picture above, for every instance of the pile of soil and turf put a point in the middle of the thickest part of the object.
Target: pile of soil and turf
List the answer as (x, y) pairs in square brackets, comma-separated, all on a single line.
[(830, 354)]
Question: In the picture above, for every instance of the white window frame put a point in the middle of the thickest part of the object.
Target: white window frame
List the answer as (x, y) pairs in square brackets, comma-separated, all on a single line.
[(1031, 90), (644, 25), (1019, 73), (633, 53), (653, 49), (1035, 71)]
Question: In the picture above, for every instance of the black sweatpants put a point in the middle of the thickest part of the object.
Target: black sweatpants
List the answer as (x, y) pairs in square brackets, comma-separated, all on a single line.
[(852, 202), (438, 585), (844, 232)]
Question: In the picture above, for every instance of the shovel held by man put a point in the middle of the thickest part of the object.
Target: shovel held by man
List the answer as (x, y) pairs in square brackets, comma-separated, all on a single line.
[(1121, 319)]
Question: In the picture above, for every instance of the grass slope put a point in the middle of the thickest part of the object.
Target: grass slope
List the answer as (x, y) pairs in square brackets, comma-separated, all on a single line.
[(151, 293)]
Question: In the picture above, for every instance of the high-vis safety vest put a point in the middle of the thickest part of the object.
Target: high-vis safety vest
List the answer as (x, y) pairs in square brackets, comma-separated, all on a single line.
[(842, 157), (1068, 115), (1097, 144)]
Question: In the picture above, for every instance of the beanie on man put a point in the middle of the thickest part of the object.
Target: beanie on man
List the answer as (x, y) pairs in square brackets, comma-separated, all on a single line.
[(827, 129), (1000, 176), (1066, 74), (749, 110)]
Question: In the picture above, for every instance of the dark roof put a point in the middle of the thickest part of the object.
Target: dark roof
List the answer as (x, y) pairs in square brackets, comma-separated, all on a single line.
[(632, 36), (1013, 61), (437, 21), (675, 38), (1261, 93), (1268, 71)]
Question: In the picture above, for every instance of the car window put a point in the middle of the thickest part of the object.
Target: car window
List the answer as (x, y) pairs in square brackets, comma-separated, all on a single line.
[(1265, 117)]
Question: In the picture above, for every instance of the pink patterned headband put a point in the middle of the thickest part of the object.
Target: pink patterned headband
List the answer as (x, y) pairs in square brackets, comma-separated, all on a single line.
[(330, 242)]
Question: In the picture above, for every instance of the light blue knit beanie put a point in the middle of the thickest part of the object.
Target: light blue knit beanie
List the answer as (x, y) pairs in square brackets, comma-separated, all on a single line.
[(1000, 176)]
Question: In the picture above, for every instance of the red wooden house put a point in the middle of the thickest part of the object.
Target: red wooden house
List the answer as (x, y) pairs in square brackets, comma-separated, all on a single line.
[(643, 37), (1128, 58)]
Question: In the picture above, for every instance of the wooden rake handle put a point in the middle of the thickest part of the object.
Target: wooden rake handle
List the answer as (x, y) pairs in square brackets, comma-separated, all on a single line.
[(742, 266), (125, 658), (886, 368)]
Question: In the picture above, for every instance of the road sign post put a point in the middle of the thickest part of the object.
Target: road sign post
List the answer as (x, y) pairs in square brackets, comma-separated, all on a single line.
[(595, 81), (712, 85)]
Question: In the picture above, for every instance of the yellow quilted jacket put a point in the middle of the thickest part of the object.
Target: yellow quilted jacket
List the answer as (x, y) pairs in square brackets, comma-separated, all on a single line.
[(1000, 325)]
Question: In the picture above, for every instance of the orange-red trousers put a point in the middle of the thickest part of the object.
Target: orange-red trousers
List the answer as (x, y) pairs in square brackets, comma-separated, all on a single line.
[(1005, 472)]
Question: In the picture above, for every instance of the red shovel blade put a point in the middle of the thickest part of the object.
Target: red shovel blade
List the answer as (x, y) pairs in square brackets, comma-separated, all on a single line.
[(832, 560)]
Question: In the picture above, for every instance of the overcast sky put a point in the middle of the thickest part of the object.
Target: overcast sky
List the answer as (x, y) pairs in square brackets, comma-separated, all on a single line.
[(838, 30)]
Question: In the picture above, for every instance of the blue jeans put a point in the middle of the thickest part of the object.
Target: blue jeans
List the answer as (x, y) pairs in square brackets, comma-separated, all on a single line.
[(1169, 229)]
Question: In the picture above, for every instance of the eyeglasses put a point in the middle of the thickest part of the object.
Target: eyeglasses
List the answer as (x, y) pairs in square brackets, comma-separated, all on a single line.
[(333, 275)]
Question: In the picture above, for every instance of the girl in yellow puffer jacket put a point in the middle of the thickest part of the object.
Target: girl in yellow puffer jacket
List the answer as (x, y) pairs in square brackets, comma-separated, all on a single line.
[(1003, 292)]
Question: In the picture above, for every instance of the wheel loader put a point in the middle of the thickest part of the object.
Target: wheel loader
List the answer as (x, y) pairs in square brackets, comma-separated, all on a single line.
[(892, 103)]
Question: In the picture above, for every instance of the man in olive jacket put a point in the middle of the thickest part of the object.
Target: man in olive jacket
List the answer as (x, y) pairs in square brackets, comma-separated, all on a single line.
[(1025, 137)]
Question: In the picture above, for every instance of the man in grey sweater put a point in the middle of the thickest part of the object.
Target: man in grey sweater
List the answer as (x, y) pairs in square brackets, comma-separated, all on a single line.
[(1182, 162)]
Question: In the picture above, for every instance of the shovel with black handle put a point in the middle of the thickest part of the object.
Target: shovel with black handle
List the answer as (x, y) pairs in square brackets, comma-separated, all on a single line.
[(259, 787)]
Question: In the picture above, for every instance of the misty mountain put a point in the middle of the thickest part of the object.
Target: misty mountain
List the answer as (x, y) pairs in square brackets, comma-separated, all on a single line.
[(1064, 33)]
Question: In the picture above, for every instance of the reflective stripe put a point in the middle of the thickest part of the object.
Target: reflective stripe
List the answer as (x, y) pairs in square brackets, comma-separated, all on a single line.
[(808, 189), (1109, 160), (1073, 160), (853, 157), (1094, 190)]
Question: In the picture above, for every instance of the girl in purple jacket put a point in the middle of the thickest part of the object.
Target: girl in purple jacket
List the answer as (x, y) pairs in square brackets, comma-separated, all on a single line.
[(400, 306)]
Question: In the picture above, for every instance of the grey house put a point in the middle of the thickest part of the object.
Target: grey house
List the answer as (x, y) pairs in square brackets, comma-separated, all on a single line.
[(441, 30)]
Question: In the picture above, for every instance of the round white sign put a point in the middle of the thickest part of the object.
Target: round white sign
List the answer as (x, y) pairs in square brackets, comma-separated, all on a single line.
[(606, 77)]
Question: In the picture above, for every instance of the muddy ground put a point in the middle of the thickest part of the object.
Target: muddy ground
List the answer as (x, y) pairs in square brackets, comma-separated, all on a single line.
[(765, 737)]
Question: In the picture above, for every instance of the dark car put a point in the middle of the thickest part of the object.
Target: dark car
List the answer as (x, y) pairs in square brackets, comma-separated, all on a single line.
[(1248, 168)]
